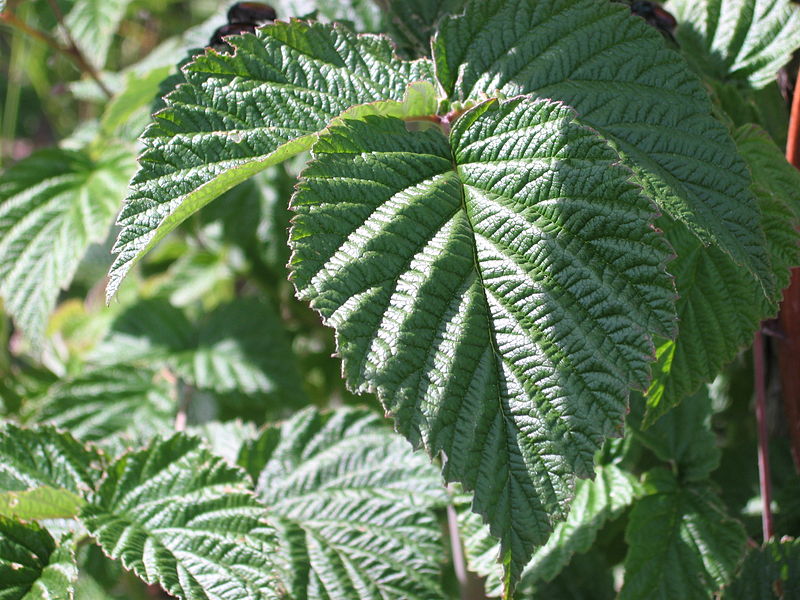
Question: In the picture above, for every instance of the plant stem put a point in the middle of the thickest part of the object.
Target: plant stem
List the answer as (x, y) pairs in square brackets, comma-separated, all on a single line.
[(788, 344), (71, 51), (764, 480)]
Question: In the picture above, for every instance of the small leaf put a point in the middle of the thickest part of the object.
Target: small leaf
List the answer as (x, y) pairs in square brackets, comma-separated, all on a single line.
[(681, 543), (52, 206), (353, 506), (617, 74), (768, 573), (102, 403), (741, 40), (178, 516), (92, 25), (31, 566), (40, 503), (237, 114), (43, 456), (496, 289), (412, 22)]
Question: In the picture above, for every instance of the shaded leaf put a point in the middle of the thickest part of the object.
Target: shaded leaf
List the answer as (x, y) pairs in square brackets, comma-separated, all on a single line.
[(768, 573)]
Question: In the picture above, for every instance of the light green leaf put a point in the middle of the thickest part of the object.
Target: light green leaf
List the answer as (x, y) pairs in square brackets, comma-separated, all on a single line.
[(353, 505), (133, 403), (92, 25), (682, 436), (178, 516), (596, 502), (239, 349), (616, 72), (137, 95), (32, 567), (681, 542), (496, 289), (741, 40), (40, 503), (43, 456), (720, 308), (776, 567), (52, 206), (237, 114)]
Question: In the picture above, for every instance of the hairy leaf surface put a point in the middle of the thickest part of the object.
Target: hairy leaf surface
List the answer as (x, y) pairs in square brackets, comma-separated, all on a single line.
[(353, 505), (495, 289), (681, 543), (617, 74), (32, 567), (183, 518), (52, 206), (43, 456), (741, 40), (596, 502), (237, 114)]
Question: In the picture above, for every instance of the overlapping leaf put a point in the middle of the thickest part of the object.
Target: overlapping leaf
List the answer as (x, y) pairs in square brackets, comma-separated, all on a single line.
[(681, 543), (353, 505), (237, 114), (52, 206), (615, 71), (720, 306), (496, 289), (43, 456), (178, 516), (117, 401), (412, 22), (740, 40), (596, 502), (32, 567)]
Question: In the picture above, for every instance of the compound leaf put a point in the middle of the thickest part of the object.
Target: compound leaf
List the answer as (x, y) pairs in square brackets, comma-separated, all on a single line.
[(741, 40), (768, 573), (32, 567), (495, 289), (681, 543), (183, 518), (353, 505), (617, 74), (52, 206), (236, 114)]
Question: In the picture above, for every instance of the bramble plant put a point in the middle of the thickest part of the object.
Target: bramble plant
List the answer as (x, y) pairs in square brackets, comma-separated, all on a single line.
[(537, 236)]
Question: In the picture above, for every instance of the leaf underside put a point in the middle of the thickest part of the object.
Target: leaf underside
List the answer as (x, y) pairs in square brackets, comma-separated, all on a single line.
[(496, 290)]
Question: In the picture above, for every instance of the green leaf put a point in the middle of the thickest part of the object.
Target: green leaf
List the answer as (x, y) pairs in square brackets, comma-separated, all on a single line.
[(741, 40), (681, 543), (237, 114), (363, 14), (137, 94), (720, 308), (353, 505), (495, 289), (617, 74), (40, 503), (683, 436), (31, 566), (239, 349), (412, 22), (181, 517), (99, 404), (768, 573), (596, 502), (43, 456), (52, 206), (92, 25)]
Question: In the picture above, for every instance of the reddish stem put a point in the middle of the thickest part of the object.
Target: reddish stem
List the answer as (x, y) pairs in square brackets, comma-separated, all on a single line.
[(763, 436)]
